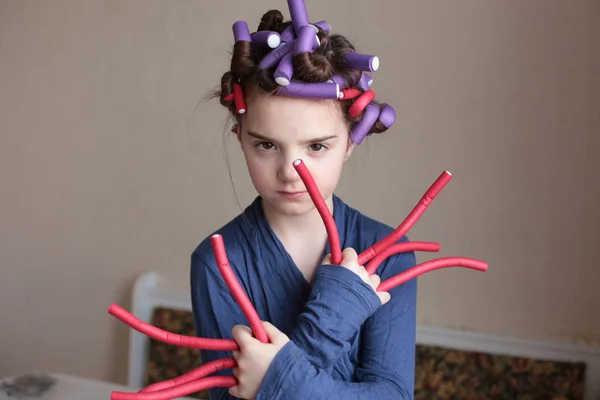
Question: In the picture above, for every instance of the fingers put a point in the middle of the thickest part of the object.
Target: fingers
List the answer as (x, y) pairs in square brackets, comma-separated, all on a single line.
[(349, 255), (274, 334), (374, 281), (235, 391), (242, 335), (350, 261), (384, 297)]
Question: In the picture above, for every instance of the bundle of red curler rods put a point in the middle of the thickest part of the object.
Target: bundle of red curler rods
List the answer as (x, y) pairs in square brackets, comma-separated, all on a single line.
[(198, 379)]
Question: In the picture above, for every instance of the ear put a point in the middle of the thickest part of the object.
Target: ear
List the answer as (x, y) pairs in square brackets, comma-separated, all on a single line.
[(349, 150), (237, 130)]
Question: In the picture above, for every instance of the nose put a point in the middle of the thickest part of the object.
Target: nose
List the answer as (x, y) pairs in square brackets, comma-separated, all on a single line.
[(286, 171)]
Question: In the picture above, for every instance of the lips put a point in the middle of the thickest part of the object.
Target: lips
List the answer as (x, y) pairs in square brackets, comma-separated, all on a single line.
[(292, 195)]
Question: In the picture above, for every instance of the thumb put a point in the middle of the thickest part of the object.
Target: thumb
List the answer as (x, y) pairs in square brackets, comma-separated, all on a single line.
[(349, 254), (326, 260), (275, 335), (242, 335)]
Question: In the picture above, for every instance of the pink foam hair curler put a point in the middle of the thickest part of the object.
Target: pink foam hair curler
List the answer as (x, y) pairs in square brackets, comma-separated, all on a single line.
[(361, 103), (198, 378), (409, 221), (179, 390), (294, 39), (429, 266), (236, 289), (197, 373), (319, 202)]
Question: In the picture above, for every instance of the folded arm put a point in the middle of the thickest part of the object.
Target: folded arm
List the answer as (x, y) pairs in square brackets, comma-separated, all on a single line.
[(387, 354), (338, 305)]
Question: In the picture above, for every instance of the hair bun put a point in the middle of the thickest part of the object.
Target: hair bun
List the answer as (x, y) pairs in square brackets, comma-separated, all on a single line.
[(227, 81), (312, 68), (271, 21)]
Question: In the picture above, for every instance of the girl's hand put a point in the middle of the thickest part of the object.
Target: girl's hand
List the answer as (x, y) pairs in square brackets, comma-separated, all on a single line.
[(350, 261), (254, 358)]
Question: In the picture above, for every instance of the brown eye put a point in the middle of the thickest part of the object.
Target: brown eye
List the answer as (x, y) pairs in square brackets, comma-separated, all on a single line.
[(317, 147), (265, 145)]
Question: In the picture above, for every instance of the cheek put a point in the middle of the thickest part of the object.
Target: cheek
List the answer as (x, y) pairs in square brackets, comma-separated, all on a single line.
[(329, 174), (253, 164), (257, 167)]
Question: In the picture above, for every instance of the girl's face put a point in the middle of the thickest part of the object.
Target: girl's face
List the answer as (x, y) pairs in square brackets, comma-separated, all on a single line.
[(277, 130)]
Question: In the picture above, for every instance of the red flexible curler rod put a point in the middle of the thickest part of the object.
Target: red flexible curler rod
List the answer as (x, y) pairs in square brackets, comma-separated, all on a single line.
[(178, 391), (317, 198), (236, 289), (410, 220), (168, 337), (428, 266), (400, 248), (195, 374)]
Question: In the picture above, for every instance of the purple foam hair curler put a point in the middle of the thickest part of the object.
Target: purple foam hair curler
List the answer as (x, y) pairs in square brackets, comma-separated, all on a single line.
[(317, 40), (275, 56), (241, 32), (365, 81), (298, 13), (387, 116), (340, 81), (324, 25), (268, 38), (285, 70), (288, 34), (361, 62), (362, 127), (310, 90), (305, 42)]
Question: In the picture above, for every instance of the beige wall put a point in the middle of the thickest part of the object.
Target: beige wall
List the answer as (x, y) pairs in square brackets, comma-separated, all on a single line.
[(107, 169)]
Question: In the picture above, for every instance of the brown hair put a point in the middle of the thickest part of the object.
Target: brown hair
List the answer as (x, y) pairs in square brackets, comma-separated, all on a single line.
[(319, 66)]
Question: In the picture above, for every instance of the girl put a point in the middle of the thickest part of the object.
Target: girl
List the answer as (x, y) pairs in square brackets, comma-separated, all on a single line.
[(331, 335)]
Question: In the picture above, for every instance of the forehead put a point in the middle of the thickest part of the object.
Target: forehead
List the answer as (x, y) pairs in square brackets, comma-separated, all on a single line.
[(293, 118)]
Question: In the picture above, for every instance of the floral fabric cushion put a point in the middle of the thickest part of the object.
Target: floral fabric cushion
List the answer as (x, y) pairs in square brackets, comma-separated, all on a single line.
[(453, 374), (445, 374)]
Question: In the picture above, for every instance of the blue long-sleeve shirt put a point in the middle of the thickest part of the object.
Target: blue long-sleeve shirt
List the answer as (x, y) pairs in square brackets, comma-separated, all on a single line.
[(344, 344)]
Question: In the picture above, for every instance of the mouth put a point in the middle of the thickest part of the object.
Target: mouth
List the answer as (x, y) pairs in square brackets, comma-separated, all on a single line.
[(292, 194)]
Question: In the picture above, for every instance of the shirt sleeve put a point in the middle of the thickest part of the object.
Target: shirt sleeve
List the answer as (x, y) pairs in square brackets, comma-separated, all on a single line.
[(339, 303), (386, 368)]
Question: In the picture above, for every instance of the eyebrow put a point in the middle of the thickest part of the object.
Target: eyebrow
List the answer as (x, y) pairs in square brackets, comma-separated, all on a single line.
[(313, 140)]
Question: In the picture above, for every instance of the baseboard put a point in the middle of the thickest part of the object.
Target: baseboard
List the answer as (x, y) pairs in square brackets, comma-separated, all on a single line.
[(497, 344)]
